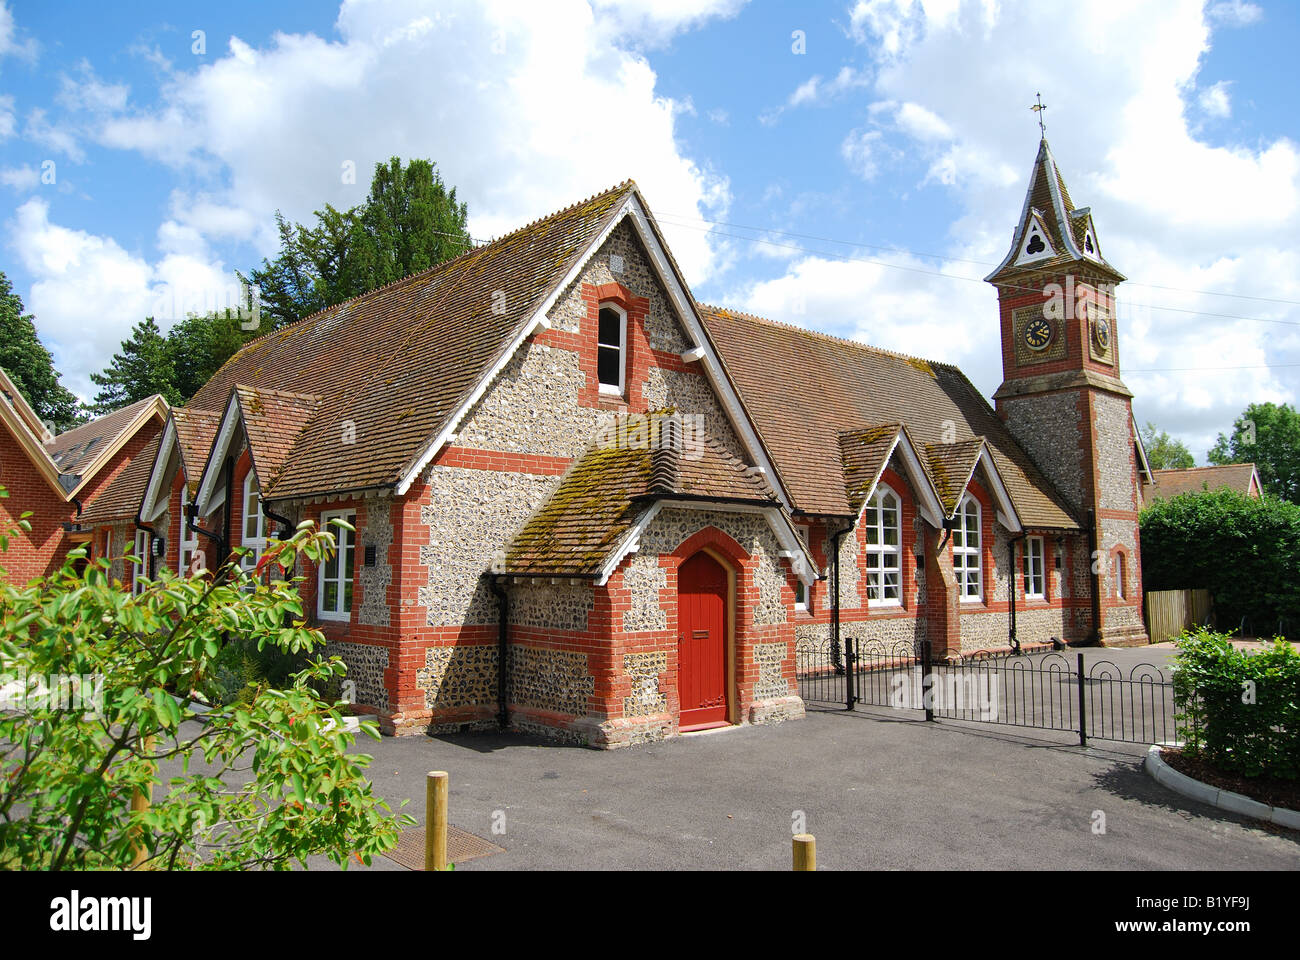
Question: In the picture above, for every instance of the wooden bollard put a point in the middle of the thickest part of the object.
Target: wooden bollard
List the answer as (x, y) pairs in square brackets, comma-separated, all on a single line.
[(435, 820), (805, 852), (140, 803)]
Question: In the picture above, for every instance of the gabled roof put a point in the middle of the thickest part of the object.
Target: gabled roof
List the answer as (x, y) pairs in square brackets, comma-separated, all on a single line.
[(865, 454), (121, 499), (28, 432), (951, 467), (804, 389), (392, 366), (610, 487), (195, 430), (73, 458), (186, 441), (1241, 477), (1048, 202)]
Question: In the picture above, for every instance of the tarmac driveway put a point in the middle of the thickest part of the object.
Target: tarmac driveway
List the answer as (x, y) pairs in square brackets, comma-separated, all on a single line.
[(879, 790)]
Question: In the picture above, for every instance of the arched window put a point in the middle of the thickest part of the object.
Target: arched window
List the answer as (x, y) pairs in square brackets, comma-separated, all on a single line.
[(1121, 583), (254, 535), (881, 520), (967, 550), (611, 349)]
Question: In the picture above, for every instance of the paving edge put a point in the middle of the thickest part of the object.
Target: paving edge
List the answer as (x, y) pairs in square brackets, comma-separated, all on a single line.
[(1166, 775)]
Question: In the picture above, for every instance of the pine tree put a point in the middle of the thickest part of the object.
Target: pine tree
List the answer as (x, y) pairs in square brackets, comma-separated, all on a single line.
[(141, 369), (30, 366)]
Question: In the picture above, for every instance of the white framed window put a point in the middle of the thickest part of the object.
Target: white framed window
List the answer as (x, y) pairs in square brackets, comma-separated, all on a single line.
[(1121, 572), (1035, 572), (334, 586), (968, 551), (188, 542), (801, 597), (881, 522), (142, 548), (253, 531), (611, 349)]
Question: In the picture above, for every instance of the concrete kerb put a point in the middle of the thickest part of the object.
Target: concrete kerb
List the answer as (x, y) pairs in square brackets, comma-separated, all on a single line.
[(1180, 783)]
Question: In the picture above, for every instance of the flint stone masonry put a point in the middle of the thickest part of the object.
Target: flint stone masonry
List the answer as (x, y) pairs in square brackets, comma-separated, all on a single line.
[(463, 676), (1114, 452), (1049, 428), (887, 636), (672, 526), (472, 516), (366, 665), (997, 576), (771, 682), (639, 276), (555, 606), (644, 578), (690, 394), (375, 581), (852, 558), (533, 407), (545, 679), (644, 669)]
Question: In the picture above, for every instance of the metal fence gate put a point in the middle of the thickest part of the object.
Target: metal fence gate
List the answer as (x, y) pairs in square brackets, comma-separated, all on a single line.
[(1046, 691)]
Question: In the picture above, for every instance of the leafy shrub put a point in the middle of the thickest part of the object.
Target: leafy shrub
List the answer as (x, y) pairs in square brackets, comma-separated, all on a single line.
[(1244, 550), (264, 782), (1239, 711)]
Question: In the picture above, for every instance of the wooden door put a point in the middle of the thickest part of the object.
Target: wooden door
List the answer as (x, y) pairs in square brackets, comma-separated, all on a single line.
[(702, 641)]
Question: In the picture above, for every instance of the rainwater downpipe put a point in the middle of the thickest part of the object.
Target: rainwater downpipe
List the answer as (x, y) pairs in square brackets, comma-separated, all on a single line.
[(496, 582), (836, 648), (1011, 572)]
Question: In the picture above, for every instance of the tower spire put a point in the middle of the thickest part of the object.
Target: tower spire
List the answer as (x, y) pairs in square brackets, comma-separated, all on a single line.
[(1040, 108)]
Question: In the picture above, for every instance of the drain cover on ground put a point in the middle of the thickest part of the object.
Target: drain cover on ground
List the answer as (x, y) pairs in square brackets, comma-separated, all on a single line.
[(461, 846)]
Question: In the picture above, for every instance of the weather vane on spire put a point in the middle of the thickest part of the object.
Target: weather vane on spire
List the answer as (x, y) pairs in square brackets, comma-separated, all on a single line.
[(1038, 108)]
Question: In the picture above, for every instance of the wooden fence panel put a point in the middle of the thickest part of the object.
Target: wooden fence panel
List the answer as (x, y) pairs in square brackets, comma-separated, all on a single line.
[(1170, 612)]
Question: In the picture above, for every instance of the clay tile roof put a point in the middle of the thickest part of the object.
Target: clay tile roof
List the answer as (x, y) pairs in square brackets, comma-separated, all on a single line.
[(392, 366), (1170, 483), (950, 466), (605, 491), (121, 499), (195, 431), (274, 421), (863, 454), (79, 447), (803, 389)]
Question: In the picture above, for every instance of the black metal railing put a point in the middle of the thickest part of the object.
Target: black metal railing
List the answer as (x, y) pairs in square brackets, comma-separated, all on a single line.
[(1046, 691)]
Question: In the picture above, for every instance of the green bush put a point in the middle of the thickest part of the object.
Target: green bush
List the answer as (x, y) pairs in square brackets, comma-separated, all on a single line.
[(1244, 550), (263, 782), (1239, 711)]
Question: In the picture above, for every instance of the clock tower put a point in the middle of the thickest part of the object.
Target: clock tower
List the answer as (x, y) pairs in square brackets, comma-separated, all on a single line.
[(1063, 399)]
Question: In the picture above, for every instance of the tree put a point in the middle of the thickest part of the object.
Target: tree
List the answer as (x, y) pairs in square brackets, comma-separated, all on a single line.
[(1267, 435), (1165, 452), (30, 366), (272, 780), (1245, 550), (198, 345), (141, 369), (409, 222)]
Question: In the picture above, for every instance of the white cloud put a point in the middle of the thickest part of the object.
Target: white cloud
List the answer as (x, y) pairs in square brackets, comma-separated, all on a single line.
[(654, 22), (56, 136), (87, 292), (1216, 101), (10, 45), (1170, 208), (526, 108), (816, 90), (859, 152), (1234, 13), (8, 121), (21, 179)]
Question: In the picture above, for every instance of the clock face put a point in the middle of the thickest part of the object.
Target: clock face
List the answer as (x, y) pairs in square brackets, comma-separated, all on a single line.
[(1038, 334), (1101, 332)]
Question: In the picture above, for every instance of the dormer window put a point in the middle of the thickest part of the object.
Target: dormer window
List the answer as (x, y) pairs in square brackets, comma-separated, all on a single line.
[(611, 350)]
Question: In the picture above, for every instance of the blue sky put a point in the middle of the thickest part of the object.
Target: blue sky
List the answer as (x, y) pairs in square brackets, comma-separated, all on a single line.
[(853, 166)]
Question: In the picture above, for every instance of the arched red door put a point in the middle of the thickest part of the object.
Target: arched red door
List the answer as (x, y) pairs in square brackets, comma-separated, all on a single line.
[(702, 642)]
